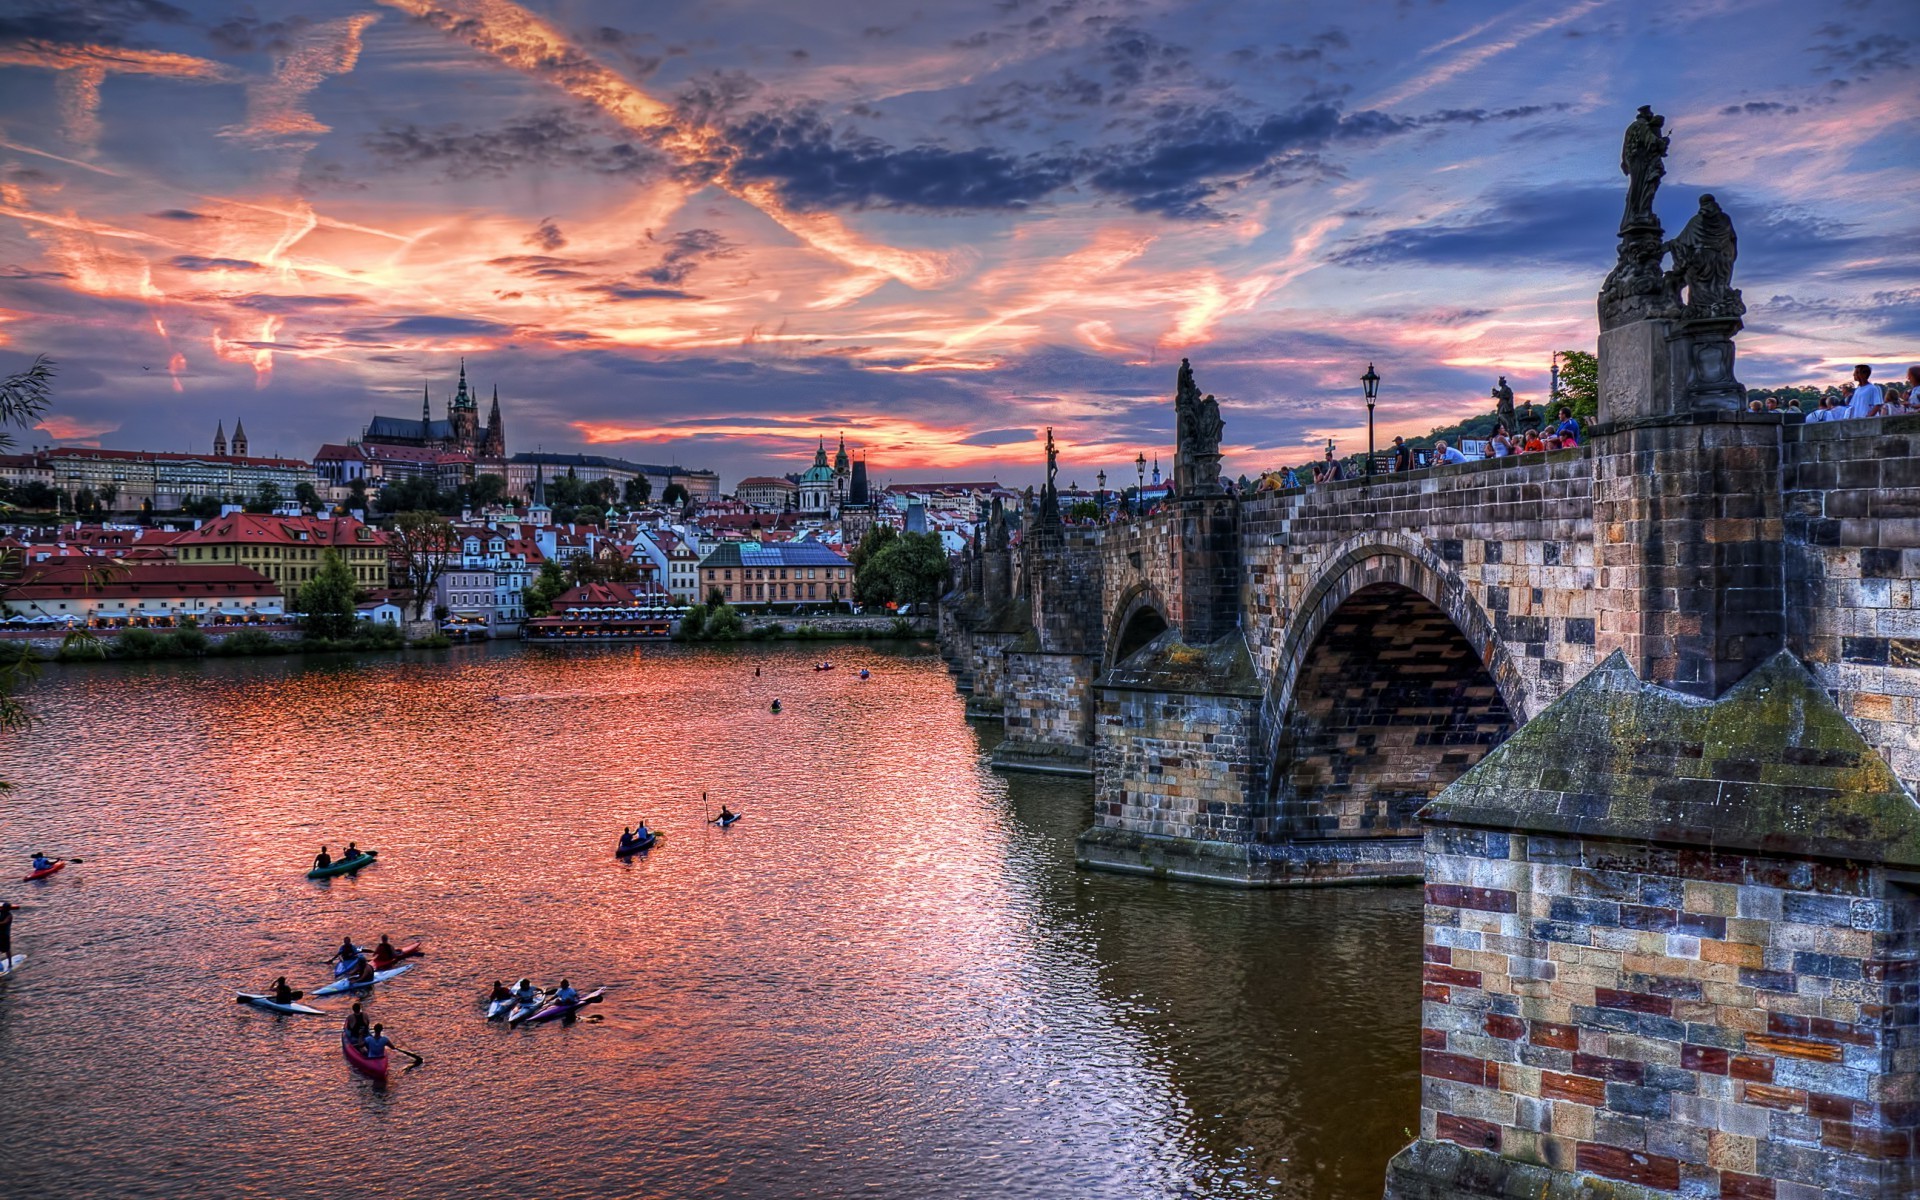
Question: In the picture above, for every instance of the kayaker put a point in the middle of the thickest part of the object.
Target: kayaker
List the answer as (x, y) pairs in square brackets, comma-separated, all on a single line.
[(376, 1043), (384, 952), (6, 932), (283, 994), (41, 862), (347, 951), (322, 860), (727, 814), (639, 834), (350, 853), (499, 993), (565, 993), (357, 1023), (361, 972), (525, 992)]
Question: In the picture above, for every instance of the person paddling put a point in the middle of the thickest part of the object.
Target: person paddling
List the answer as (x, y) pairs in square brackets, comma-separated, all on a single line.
[(384, 954), (284, 994), (500, 992), (525, 992), (727, 815), (6, 934), (346, 953), (322, 860), (350, 853), (40, 861), (357, 1024), (565, 994), (361, 971)]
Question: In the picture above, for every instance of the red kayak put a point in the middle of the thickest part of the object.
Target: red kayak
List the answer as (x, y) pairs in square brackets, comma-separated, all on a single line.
[(410, 950), (376, 1067), (43, 872)]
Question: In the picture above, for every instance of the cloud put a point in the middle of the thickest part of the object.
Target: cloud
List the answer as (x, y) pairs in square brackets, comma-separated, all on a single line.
[(1564, 226), (546, 236), (1000, 437), (288, 305), (107, 22), (179, 214), (1759, 108), (685, 252), (194, 262), (433, 326), (552, 138)]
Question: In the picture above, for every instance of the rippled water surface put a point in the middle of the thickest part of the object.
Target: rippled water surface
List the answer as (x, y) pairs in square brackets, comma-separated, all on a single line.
[(887, 980)]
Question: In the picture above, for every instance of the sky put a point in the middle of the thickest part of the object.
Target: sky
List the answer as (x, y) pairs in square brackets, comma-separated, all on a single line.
[(710, 232)]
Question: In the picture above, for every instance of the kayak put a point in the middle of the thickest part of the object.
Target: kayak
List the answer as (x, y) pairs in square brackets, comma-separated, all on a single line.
[(344, 985), (647, 843), (43, 872), (410, 950), (523, 1011), (556, 1010), (344, 865), (272, 1005), (723, 822), (9, 966), (376, 1067), (500, 1008)]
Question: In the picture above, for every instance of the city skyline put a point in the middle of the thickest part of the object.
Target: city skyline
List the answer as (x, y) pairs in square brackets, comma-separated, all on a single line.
[(726, 236)]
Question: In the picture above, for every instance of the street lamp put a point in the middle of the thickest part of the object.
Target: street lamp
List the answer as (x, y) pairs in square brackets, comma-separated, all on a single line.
[(1140, 490), (1371, 383), (1100, 495)]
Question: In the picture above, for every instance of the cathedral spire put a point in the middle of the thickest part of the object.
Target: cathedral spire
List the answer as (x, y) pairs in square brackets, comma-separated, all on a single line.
[(461, 397), (220, 439), (239, 439), (426, 414)]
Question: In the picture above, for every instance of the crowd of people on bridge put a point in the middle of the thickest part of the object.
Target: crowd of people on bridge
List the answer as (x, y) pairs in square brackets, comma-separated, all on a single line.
[(1857, 399)]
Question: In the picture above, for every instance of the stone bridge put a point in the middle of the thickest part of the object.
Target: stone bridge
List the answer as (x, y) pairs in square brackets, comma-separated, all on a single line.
[(1266, 690)]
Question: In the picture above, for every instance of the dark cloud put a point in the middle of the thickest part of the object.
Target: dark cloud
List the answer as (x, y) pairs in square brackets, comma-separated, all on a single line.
[(1565, 226), (1000, 437), (546, 236), (683, 253), (628, 291), (246, 34), (540, 266), (109, 22), (194, 262), (287, 305), (555, 138), (178, 214), (1759, 108), (431, 326), (1850, 55)]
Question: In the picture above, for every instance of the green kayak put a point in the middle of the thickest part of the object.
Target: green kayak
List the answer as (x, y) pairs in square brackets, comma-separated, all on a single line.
[(344, 866)]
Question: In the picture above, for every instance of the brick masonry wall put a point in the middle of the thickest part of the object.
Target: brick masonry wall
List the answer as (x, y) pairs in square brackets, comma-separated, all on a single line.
[(1047, 706), (1176, 764), (1713, 1024), (1852, 517)]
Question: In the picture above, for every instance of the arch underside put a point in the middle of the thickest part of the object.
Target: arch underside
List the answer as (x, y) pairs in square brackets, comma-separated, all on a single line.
[(1390, 703), (1143, 625)]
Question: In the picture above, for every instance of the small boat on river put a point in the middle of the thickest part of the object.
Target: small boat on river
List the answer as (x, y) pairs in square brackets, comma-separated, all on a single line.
[(345, 866)]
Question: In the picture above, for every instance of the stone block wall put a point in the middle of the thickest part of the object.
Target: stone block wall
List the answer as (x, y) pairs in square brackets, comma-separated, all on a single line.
[(1047, 710), (1852, 523), (1508, 542), (1701, 1023)]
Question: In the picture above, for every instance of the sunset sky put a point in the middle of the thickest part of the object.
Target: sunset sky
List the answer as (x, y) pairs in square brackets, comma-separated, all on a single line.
[(708, 231)]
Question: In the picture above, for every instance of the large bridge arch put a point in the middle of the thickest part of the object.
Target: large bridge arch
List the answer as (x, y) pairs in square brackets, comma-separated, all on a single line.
[(1390, 682)]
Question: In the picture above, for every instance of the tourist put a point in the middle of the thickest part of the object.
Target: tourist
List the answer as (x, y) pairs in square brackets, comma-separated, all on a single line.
[(356, 1024), (1569, 428), (322, 860), (1402, 456), (1829, 410), (1501, 444), (1867, 395), (347, 951), (1754, 406), (500, 992), (525, 992), (1534, 444), (376, 1043), (1446, 454), (564, 994), (1772, 404)]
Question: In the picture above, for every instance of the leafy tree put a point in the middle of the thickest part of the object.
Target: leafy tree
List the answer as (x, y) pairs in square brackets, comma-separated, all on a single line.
[(1579, 384), (715, 597), (601, 493), (540, 594), (307, 496), (1084, 510), (639, 491), (86, 501), (423, 543), (202, 507), (109, 496), (265, 498), (327, 599), (875, 539), (486, 489), (415, 493), (23, 398), (36, 495), (357, 494), (676, 493), (909, 569)]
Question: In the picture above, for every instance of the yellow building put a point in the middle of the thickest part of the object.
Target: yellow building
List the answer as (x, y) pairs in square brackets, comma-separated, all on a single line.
[(287, 549)]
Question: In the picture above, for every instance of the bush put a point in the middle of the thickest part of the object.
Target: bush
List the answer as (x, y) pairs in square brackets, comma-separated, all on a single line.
[(247, 641), (693, 624), (190, 642), (81, 649), (902, 628), (137, 643), (435, 641)]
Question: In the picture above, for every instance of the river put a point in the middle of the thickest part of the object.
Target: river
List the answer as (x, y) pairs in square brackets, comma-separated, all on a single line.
[(887, 980)]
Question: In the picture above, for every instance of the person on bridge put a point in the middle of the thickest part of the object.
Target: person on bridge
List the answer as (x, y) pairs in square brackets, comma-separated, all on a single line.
[(1568, 430), (1402, 456), (1867, 395), (1447, 455)]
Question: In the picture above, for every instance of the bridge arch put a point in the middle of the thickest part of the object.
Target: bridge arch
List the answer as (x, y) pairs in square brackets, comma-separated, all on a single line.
[(1138, 618), (1390, 682)]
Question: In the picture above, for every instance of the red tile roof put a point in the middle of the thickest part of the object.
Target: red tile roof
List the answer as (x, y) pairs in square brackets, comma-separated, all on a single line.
[(60, 581), (253, 529), (157, 456)]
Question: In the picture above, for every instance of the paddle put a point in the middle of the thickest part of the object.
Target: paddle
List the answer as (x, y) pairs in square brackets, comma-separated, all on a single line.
[(417, 1060)]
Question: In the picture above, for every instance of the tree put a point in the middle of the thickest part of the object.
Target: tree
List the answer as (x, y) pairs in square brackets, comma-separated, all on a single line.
[(265, 498), (85, 501), (327, 599), (357, 494), (486, 490), (23, 398), (909, 569), (415, 493), (109, 496), (548, 584), (307, 495), (675, 494), (1579, 384), (203, 507), (715, 597), (639, 491), (423, 543), (871, 543), (1084, 510)]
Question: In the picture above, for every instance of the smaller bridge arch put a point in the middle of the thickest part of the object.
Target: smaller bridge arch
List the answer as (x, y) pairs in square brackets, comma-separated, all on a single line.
[(1390, 682), (1138, 618)]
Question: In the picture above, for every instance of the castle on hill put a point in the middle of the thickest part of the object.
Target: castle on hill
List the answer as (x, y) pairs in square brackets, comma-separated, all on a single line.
[(459, 433)]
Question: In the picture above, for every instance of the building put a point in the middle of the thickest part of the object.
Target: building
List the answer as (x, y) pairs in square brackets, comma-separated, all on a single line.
[(19, 470), (767, 493), (287, 550), (606, 612), (753, 573), (819, 486), (483, 588), (459, 433), (108, 594), (525, 469), (136, 480), (857, 514)]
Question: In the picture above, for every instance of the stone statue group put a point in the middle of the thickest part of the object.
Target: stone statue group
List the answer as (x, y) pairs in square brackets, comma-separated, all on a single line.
[(1703, 253)]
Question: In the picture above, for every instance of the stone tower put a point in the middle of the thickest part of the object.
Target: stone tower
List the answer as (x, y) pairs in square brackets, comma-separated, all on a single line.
[(494, 443), (220, 439), (463, 416), (856, 514), (239, 439)]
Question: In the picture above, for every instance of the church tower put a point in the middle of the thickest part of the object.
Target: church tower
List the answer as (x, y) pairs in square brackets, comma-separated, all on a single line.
[(856, 515), (494, 444), (841, 478), (463, 416), (239, 439), (220, 439)]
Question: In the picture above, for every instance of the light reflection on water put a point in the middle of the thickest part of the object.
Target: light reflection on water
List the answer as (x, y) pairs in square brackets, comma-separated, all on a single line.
[(888, 979)]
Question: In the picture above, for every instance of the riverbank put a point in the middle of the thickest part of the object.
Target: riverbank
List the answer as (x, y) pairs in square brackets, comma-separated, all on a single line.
[(725, 623), (146, 645)]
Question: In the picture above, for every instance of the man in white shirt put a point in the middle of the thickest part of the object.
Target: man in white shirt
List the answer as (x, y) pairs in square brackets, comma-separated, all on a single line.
[(1447, 454), (1866, 396)]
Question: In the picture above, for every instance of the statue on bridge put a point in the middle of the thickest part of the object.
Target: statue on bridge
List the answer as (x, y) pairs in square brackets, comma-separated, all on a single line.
[(1703, 257), (1635, 289), (1643, 155), (1503, 400), (1197, 431)]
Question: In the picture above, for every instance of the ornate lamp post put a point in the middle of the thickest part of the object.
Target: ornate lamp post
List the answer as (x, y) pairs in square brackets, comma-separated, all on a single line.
[(1371, 383), (1100, 495), (1139, 491)]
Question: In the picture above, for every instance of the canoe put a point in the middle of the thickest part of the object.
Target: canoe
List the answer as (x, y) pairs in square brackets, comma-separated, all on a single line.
[(43, 872), (556, 1010), (376, 1067), (9, 966), (342, 985), (272, 1005), (410, 950), (344, 865), (625, 847)]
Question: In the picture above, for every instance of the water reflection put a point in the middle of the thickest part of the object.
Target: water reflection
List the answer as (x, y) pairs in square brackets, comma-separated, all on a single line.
[(887, 978)]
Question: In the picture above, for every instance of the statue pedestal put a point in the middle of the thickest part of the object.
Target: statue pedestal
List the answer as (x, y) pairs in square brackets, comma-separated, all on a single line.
[(1662, 366), (1702, 365)]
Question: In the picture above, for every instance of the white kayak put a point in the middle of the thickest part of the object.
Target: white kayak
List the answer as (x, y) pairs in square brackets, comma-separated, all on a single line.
[(523, 1011), (9, 966), (500, 1008), (272, 1005), (344, 985)]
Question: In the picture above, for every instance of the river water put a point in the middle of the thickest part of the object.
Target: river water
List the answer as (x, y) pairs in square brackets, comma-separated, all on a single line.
[(888, 980)]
